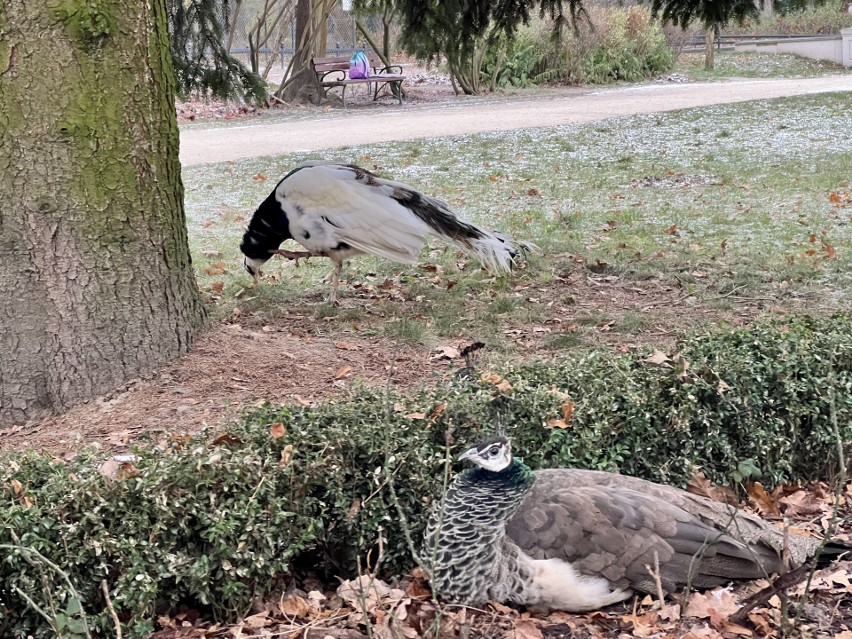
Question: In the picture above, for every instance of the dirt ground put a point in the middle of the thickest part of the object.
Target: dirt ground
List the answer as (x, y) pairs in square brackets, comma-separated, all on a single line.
[(296, 358)]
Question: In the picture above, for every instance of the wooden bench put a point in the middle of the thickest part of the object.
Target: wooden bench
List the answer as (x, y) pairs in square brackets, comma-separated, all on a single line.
[(334, 72)]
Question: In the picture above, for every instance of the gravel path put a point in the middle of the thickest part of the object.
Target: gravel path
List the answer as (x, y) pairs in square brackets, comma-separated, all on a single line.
[(338, 128)]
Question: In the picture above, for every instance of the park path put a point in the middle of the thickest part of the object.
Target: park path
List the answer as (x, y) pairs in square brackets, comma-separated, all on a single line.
[(200, 145)]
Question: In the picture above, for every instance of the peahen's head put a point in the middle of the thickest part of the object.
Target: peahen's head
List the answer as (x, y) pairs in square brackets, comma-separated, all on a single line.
[(494, 454)]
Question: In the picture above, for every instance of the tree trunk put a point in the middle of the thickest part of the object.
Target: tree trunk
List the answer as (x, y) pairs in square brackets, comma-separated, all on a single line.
[(709, 48), (301, 83), (95, 272)]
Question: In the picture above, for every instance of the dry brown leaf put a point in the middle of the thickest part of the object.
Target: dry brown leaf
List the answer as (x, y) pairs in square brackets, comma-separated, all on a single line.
[(568, 411), (716, 605), (301, 401), (669, 613), (730, 628), (277, 430), (286, 455), (658, 358), (415, 416), (294, 606), (762, 500), (342, 372), (525, 629), (346, 346), (501, 384), (829, 250), (505, 610), (217, 287), (214, 270), (672, 230), (700, 485), (260, 177), (436, 412), (17, 487), (447, 352), (760, 619), (556, 423), (533, 192), (226, 438), (801, 504)]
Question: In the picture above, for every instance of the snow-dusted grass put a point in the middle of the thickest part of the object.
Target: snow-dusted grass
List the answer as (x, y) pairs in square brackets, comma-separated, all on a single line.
[(749, 64), (722, 201)]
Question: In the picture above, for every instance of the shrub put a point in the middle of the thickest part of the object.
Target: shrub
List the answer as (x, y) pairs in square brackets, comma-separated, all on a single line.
[(218, 518), (616, 44), (824, 18)]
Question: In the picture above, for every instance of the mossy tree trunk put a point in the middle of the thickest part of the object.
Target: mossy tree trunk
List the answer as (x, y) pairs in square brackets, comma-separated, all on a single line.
[(95, 273)]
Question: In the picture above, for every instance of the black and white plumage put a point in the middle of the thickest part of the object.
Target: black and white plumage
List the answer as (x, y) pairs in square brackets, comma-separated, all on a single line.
[(578, 540), (341, 210)]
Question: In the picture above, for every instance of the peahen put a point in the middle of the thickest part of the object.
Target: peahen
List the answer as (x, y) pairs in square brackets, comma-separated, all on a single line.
[(579, 540)]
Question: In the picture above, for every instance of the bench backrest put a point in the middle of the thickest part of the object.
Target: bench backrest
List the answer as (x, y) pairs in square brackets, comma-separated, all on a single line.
[(341, 63)]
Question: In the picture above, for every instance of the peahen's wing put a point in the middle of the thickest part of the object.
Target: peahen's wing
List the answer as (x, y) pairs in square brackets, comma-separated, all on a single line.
[(622, 534), (344, 203)]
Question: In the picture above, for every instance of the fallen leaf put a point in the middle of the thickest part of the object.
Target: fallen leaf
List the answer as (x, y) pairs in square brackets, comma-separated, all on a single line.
[(217, 287), (214, 270), (669, 613), (672, 230), (415, 416), (568, 411), (556, 423), (800, 504), (301, 401), (346, 346), (227, 438), (700, 485), (829, 250), (716, 605), (277, 430), (207, 223), (294, 606), (658, 358), (260, 177), (257, 621), (525, 629), (762, 500), (286, 455), (533, 192), (447, 352), (342, 371)]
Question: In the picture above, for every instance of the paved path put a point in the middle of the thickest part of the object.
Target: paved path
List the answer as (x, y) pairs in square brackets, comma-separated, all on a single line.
[(333, 130)]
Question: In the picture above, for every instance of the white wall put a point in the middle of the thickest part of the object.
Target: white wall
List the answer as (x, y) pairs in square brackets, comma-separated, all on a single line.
[(837, 49)]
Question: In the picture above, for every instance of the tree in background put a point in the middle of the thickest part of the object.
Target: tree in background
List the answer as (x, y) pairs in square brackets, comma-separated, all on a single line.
[(462, 30), (95, 269), (300, 82), (200, 51), (712, 14)]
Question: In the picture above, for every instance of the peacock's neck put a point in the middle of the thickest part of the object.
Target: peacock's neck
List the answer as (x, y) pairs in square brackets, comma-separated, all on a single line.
[(465, 540)]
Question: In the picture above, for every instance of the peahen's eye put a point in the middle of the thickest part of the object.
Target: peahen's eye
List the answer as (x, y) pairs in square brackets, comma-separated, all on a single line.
[(493, 451)]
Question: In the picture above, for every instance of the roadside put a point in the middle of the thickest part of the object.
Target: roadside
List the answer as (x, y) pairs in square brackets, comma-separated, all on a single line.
[(336, 129)]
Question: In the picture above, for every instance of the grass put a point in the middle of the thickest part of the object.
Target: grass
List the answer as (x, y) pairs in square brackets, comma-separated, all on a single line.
[(720, 204), (754, 65)]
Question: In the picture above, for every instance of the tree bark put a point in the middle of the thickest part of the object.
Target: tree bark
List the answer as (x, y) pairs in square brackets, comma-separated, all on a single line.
[(709, 48), (95, 273)]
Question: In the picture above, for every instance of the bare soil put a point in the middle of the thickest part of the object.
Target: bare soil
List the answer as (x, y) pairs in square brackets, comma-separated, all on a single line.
[(297, 358)]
